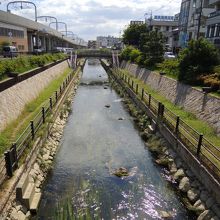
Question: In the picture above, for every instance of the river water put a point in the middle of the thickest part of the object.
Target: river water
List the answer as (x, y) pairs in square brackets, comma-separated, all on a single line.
[(95, 143)]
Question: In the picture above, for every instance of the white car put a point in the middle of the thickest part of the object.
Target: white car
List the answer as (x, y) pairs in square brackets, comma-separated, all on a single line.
[(169, 55)]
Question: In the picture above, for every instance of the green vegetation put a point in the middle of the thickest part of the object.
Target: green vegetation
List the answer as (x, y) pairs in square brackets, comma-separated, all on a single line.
[(187, 117), (15, 128), (25, 63), (198, 58), (195, 64), (145, 47)]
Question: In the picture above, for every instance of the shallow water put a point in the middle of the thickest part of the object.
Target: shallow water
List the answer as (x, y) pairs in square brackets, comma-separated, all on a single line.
[(95, 143)]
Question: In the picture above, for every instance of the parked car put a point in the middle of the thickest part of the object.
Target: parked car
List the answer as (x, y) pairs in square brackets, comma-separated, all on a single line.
[(169, 55), (9, 51), (38, 50)]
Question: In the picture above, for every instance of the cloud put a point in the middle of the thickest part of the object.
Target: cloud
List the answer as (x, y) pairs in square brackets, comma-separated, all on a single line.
[(91, 18)]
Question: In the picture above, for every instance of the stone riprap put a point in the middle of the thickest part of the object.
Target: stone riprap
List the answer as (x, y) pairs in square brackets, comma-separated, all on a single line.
[(201, 104), (14, 99)]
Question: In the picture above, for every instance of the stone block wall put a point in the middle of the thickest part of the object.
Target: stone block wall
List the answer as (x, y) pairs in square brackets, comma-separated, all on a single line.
[(14, 99), (204, 106)]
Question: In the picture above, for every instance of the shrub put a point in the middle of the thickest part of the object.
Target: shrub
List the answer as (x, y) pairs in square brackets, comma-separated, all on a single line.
[(125, 54), (170, 66), (134, 54), (212, 80), (2, 71), (200, 57)]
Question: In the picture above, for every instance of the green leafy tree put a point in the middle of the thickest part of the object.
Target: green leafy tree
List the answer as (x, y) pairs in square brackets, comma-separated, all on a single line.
[(197, 59), (132, 34), (152, 47)]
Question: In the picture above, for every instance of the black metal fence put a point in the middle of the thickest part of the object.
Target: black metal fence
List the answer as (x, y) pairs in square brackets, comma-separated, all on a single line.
[(11, 158), (200, 146)]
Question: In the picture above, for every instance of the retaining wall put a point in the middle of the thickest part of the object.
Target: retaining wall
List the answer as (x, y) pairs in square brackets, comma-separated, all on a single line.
[(204, 106), (14, 99)]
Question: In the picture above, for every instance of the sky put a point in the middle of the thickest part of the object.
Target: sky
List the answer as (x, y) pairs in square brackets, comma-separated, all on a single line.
[(91, 18)]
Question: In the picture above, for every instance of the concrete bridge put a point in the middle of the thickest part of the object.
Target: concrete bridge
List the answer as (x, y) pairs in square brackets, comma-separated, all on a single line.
[(94, 53)]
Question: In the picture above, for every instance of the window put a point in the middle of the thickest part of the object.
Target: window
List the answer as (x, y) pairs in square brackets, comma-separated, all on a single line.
[(14, 33), (167, 28)]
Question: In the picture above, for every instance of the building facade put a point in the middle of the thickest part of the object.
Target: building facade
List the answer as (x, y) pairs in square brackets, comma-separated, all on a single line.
[(107, 42), (192, 20), (167, 25), (213, 23)]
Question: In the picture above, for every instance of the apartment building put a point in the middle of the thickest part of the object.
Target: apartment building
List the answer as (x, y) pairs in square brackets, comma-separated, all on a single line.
[(107, 42), (167, 25), (213, 23), (192, 19)]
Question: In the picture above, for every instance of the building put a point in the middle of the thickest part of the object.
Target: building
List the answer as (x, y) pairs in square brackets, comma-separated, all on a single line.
[(213, 23), (26, 34), (192, 21), (92, 44), (166, 25), (136, 22), (107, 42)]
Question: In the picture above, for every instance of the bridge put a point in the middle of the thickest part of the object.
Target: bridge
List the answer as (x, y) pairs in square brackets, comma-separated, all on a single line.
[(88, 53), (94, 53)]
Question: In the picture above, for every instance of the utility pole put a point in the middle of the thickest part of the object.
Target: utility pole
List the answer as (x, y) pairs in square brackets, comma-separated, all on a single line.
[(199, 19)]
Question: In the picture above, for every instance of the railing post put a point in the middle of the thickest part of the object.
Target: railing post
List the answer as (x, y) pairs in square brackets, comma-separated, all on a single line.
[(60, 89), (177, 125), (159, 108), (15, 159), (56, 95), (8, 163), (32, 129), (51, 103), (43, 114), (149, 101), (132, 84), (129, 81), (199, 144), (142, 94), (136, 88)]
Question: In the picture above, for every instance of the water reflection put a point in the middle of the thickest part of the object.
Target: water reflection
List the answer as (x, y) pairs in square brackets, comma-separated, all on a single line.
[(95, 143)]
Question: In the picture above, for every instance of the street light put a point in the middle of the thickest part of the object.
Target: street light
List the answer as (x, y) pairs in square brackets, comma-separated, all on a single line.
[(50, 17), (22, 6), (60, 23)]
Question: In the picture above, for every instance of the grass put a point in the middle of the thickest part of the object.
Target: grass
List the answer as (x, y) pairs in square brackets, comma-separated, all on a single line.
[(15, 128), (187, 117)]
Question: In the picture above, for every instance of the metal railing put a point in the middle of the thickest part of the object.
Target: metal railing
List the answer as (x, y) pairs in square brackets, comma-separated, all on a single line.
[(9, 163), (206, 152)]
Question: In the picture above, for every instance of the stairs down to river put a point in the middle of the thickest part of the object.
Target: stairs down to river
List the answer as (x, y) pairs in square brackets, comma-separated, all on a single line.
[(26, 195)]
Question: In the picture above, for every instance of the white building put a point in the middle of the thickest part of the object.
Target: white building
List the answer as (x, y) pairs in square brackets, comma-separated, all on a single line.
[(107, 42), (166, 25)]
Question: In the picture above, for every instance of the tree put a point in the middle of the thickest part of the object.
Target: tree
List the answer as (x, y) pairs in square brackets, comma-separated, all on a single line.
[(152, 47), (197, 59), (132, 35)]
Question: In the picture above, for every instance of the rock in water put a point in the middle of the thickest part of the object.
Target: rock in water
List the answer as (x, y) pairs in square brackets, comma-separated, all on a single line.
[(121, 172), (107, 106)]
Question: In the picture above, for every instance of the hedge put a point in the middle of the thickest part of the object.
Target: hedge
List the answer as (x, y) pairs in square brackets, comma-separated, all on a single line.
[(22, 64)]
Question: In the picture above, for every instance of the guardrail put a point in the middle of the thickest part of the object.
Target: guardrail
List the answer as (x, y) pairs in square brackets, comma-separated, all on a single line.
[(207, 153), (9, 163)]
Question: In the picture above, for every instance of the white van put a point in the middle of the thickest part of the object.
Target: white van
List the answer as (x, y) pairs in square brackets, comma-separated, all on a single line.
[(9, 51)]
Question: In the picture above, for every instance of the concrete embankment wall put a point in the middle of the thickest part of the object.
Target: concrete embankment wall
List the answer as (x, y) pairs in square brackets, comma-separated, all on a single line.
[(204, 106), (14, 99)]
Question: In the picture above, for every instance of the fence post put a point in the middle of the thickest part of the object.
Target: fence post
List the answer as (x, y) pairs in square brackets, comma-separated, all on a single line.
[(56, 96), (51, 103), (136, 88), (177, 125), (32, 129), (8, 163), (60, 89), (142, 94), (159, 109), (132, 84), (43, 114), (199, 144), (149, 102), (14, 147), (129, 81)]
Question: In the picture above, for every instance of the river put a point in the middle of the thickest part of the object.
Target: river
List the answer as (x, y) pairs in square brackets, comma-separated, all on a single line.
[(94, 144)]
